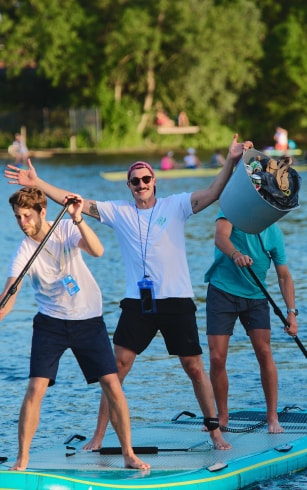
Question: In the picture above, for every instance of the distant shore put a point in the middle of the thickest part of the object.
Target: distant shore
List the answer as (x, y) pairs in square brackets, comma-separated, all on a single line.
[(51, 152)]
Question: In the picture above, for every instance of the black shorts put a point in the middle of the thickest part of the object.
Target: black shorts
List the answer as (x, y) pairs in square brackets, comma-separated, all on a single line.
[(175, 319), (223, 309), (88, 340)]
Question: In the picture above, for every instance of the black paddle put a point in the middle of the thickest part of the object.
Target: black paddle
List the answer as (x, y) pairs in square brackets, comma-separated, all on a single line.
[(111, 451), (12, 290), (277, 310)]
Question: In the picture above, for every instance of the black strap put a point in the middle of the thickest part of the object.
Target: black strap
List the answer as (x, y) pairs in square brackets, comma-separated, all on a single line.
[(211, 423)]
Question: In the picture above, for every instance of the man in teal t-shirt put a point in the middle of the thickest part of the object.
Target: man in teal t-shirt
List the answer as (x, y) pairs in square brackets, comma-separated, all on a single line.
[(233, 294)]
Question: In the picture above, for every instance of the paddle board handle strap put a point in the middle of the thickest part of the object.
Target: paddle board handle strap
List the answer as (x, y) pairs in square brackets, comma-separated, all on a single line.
[(211, 423)]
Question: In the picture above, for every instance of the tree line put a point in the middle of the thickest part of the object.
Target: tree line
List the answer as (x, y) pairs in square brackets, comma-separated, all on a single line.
[(239, 65)]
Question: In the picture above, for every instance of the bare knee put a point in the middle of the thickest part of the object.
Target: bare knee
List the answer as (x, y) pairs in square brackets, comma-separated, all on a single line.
[(193, 367), (36, 389), (124, 360), (218, 347), (217, 361), (265, 357)]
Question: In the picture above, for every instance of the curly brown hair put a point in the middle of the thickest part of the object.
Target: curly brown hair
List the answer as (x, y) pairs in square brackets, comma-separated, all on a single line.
[(29, 198)]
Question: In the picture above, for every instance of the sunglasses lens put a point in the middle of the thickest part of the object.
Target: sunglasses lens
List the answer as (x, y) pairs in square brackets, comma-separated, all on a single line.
[(146, 179), (136, 180)]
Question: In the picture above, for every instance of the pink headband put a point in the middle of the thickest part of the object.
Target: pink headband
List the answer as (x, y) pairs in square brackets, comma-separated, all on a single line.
[(140, 165)]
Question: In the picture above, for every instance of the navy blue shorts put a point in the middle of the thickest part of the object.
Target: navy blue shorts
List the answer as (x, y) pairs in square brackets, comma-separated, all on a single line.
[(88, 340), (223, 309), (175, 319)]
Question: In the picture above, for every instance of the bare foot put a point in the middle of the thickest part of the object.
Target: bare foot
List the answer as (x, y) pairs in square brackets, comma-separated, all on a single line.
[(275, 427), (94, 443), (21, 464), (218, 441), (133, 462)]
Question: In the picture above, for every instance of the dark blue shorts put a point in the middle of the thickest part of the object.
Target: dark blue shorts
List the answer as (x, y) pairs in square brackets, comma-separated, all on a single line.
[(88, 340), (175, 319), (223, 309)]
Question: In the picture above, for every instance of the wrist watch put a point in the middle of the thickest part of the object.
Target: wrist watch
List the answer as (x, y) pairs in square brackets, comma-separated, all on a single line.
[(292, 310)]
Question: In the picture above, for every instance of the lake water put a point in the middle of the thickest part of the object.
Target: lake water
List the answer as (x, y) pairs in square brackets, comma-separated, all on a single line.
[(70, 406)]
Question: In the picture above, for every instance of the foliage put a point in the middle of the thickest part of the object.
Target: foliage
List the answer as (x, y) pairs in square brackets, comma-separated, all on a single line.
[(237, 65), (49, 138)]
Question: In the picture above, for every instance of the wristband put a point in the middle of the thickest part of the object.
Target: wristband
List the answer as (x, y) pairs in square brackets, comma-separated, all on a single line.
[(234, 252), (78, 222)]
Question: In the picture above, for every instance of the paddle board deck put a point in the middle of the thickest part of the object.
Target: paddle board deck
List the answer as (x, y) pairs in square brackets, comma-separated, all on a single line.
[(180, 454)]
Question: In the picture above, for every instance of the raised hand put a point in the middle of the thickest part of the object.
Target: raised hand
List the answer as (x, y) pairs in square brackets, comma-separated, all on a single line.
[(27, 177), (236, 149)]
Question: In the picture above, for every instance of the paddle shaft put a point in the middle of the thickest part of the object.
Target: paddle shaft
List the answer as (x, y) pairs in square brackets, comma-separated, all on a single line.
[(12, 290), (112, 451), (277, 310)]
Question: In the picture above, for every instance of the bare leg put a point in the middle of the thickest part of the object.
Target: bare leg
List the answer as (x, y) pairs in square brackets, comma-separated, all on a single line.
[(261, 342), (218, 345), (124, 359), (193, 366), (120, 419), (29, 419)]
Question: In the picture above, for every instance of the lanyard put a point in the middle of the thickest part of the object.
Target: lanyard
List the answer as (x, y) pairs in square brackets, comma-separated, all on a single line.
[(144, 252)]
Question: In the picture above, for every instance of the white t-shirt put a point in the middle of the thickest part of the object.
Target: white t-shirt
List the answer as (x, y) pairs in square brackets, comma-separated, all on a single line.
[(59, 257), (161, 249)]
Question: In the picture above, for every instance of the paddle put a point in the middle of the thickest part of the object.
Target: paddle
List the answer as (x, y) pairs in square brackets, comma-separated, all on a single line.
[(12, 290), (277, 310), (146, 449)]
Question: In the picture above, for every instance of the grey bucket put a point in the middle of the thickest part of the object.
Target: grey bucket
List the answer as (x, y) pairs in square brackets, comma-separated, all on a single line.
[(242, 204)]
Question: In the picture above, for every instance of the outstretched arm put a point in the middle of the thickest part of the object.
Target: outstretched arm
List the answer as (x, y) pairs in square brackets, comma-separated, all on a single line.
[(29, 178), (203, 198)]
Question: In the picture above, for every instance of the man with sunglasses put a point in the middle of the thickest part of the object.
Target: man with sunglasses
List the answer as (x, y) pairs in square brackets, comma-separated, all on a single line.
[(150, 232)]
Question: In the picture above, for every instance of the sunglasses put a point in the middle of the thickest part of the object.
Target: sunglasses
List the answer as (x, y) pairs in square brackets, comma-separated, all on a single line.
[(136, 180)]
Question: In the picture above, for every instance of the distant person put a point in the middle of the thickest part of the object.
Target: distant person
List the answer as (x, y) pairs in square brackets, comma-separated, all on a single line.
[(69, 314), (162, 119), (281, 139), (168, 162), (18, 150), (183, 119), (217, 159), (191, 160)]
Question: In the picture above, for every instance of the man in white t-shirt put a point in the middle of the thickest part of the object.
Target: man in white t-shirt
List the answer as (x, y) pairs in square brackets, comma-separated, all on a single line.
[(69, 314), (150, 232)]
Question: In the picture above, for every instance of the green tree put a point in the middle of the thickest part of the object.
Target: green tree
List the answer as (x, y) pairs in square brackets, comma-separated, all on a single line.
[(280, 97), (237, 64)]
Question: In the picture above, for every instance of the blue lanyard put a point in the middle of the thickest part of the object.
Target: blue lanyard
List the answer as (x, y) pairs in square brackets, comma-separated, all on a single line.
[(146, 242)]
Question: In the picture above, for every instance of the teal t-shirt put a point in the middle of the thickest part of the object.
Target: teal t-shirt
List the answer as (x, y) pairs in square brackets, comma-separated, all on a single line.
[(262, 248)]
